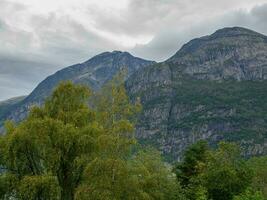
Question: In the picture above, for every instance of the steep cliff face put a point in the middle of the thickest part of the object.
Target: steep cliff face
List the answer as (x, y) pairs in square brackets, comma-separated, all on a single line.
[(214, 88), (94, 73)]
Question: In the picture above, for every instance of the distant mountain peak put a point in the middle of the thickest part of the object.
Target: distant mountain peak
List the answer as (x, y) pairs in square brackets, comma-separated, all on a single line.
[(118, 52), (229, 53), (235, 31), (115, 55), (94, 72), (223, 36)]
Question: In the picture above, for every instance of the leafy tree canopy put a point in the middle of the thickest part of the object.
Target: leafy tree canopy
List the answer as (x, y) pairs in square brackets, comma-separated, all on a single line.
[(80, 145)]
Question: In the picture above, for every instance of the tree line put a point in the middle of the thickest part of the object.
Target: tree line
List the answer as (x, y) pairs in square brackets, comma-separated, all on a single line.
[(80, 145)]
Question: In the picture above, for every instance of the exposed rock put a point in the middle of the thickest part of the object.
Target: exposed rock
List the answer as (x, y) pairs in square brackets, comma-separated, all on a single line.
[(213, 88)]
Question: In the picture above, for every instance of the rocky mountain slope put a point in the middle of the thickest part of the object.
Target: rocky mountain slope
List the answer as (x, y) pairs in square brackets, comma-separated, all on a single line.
[(94, 73), (213, 88), (230, 53), (7, 105)]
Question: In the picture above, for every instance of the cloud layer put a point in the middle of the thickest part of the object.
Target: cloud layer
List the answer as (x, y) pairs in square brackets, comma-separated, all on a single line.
[(39, 37)]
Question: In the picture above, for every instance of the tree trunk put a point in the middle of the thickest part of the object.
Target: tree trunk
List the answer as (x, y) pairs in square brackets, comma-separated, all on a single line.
[(67, 193)]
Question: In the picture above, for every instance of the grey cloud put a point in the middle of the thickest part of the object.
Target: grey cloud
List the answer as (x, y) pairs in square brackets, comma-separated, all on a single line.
[(170, 39), (18, 77), (142, 17), (56, 41), (255, 19), (26, 58), (10, 89), (66, 41)]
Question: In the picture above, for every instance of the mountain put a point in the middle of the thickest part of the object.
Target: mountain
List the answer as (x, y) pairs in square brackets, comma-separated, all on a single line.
[(213, 88), (11, 101), (7, 105), (94, 73)]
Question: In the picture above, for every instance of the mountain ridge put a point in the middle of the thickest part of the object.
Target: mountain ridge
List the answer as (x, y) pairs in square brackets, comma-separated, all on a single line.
[(224, 32), (94, 73), (229, 53)]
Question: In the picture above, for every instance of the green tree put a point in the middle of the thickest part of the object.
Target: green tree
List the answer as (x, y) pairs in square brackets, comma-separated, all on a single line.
[(142, 177), (155, 178), (249, 194), (189, 170), (218, 174), (52, 146), (191, 166), (107, 175), (226, 173), (259, 167)]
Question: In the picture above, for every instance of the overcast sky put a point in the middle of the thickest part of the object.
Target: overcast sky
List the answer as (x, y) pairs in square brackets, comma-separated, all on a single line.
[(38, 37)]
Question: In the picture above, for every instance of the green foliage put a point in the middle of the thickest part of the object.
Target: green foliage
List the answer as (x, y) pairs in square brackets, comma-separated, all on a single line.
[(194, 159), (8, 183), (249, 194), (218, 174), (155, 179), (226, 173), (113, 105), (259, 168), (69, 150), (189, 170), (38, 187), (143, 177), (53, 143)]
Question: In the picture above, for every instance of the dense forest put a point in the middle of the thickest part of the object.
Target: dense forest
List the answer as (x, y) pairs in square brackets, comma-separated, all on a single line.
[(80, 145)]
